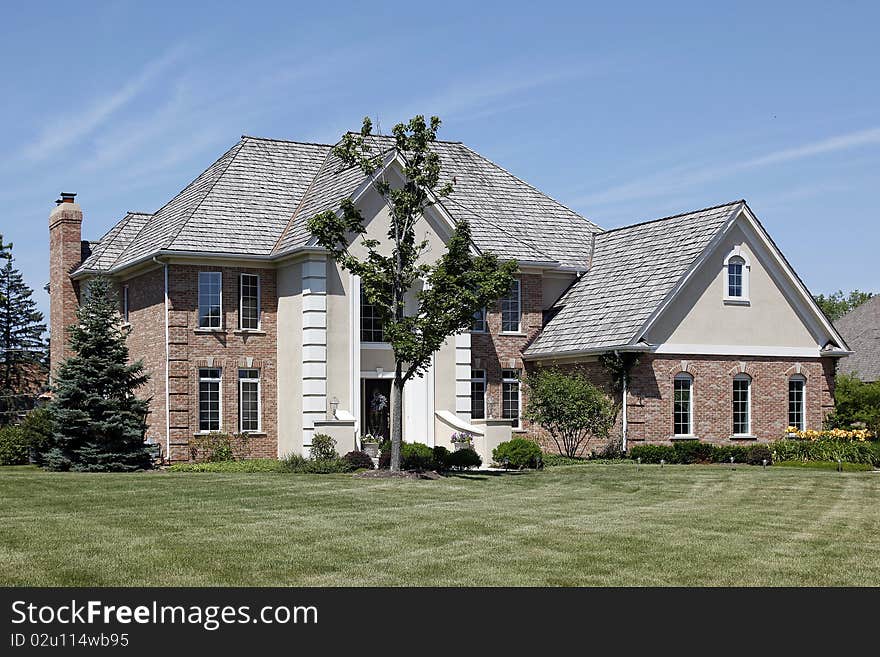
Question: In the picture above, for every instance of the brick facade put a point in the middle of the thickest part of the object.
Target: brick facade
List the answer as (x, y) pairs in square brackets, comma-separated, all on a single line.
[(493, 351), (65, 253)]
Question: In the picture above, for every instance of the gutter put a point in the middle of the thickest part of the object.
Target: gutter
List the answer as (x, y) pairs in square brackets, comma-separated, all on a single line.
[(552, 355)]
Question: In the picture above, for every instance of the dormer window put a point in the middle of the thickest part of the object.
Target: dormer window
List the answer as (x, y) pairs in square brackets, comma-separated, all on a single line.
[(736, 277)]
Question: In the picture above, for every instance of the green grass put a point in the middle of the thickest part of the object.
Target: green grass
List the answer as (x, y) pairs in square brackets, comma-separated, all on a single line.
[(249, 465), (826, 465), (583, 525)]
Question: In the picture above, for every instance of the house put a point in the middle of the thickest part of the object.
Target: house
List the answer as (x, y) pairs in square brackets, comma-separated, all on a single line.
[(246, 326), (860, 327)]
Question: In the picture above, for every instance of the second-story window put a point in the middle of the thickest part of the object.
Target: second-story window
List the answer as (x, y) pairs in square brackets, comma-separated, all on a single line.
[(479, 324), (249, 302), (371, 322), (210, 299), (511, 310)]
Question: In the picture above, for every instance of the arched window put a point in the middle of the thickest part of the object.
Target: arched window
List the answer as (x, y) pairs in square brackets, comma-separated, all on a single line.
[(683, 405), (797, 397), (736, 277), (742, 405)]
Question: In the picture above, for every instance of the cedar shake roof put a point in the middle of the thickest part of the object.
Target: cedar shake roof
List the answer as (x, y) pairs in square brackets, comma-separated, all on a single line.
[(608, 305), (860, 327), (256, 198)]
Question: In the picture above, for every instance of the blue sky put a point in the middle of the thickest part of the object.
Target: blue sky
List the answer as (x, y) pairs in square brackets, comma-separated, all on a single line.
[(623, 111)]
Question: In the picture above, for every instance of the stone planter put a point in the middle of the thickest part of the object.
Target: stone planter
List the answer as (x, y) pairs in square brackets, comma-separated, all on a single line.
[(460, 446), (371, 449)]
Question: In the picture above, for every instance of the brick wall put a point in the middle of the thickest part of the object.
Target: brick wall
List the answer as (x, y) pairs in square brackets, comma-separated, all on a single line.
[(494, 351), (228, 349), (65, 253), (649, 408)]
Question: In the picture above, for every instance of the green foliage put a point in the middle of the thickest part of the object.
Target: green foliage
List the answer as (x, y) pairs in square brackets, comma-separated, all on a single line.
[(416, 456), (569, 407), (244, 466), (323, 447), (653, 453), (457, 284), (99, 422), (856, 404), (722, 453), (552, 460), (358, 460), (22, 348), (758, 455), (440, 456), (14, 448), (849, 451), (297, 464), (838, 304), (462, 459), (37, 429), (693, 451), (217, 446), (518, 453)]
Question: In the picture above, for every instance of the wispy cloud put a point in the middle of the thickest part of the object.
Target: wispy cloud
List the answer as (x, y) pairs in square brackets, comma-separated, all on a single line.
[(70, 129), (681, 178)]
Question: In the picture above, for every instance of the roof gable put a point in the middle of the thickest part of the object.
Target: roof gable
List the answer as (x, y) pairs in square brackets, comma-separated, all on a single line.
[(860, 328)]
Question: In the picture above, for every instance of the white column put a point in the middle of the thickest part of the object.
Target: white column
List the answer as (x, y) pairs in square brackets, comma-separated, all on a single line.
[(354, 338), (314, 350), (463, 376)]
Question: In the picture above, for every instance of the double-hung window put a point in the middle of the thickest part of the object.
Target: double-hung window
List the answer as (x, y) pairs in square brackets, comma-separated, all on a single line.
[(249, 400), (797, 387), (478, 394), (511, 309), (683, 405), (479, 324), (371, 322), (210, 299), (209, 398), (510, 396), (742, 405), (249, 302)]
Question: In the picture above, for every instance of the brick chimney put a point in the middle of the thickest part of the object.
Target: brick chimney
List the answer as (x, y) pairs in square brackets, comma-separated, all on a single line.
[(65, 253)]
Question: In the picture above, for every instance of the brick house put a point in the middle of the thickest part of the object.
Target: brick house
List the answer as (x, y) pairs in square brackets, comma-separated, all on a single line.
[(245, 325)]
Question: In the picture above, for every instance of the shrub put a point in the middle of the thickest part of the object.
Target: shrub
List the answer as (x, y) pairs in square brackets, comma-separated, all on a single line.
[(653, 453), (36, 429), (244, 466), (758, 454), (823, 450), (463, 459), (693, 451), (518, 453), (323, 447), (217, 446), (416, 456), (358, 460), (13, 446), (300, 465), (441, 455), (384, 460), (722, 453)]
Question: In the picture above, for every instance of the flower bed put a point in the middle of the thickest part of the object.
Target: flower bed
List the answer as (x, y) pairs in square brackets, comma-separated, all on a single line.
[(860, 435)]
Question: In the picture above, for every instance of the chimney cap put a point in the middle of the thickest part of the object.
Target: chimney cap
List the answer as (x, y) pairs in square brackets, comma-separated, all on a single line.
[(67, 197)]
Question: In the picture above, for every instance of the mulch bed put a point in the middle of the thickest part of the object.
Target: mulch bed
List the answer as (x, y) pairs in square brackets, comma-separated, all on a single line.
[(403, 474)]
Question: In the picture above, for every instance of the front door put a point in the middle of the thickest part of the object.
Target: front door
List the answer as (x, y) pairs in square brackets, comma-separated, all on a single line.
[(376, 407)]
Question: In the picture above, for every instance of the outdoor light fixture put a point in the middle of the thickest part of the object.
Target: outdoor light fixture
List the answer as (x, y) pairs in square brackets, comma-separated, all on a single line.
[(839, 465), (334, 404), (764, 461), (662, 462)]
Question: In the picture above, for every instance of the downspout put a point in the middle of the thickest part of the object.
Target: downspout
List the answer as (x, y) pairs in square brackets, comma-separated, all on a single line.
[(623, 396), (167, 358)]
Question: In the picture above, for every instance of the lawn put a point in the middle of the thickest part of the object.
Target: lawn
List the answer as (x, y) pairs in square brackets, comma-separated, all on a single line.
[(578, 525)]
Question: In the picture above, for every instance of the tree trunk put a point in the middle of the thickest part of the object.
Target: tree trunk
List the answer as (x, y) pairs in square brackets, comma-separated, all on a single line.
[(396, 419)]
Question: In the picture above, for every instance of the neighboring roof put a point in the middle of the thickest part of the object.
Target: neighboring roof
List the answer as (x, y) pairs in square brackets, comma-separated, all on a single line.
[(257, 197), (860, 327), (608, 305)]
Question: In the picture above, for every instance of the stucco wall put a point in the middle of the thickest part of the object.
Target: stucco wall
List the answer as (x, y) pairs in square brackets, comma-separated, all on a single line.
[(289, 350)]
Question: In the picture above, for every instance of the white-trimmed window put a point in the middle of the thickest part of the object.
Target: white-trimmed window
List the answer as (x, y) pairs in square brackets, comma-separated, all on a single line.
[(478, 394), (249, 400), (249, 302), (742, 405), (210, 299), (125, 304), (479, 324), (510, 396), (683, 405), (371, 322), (797, 396), (736, 277), (210, 380), (511, 309)]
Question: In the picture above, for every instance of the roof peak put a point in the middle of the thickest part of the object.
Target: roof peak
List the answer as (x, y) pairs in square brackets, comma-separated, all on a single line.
[(287, 141), (675, 216), (437, 141)]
